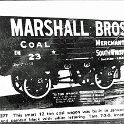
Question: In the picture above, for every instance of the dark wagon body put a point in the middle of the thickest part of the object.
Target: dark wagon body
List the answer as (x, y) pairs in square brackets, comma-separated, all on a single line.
[(34, 50)]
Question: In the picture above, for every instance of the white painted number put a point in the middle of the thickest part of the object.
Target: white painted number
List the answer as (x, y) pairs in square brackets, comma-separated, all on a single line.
[(36, 56), (31, 56)]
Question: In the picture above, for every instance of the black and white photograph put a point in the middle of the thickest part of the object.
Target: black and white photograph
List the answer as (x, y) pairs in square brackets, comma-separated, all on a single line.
[(62, 62)]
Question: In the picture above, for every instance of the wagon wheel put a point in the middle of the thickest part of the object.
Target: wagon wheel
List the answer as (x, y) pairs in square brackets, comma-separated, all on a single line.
[(104, 78), (17, 81), (37, 88)]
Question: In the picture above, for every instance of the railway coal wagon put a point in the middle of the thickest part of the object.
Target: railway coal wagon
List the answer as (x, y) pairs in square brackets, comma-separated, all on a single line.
[(34, 49)]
